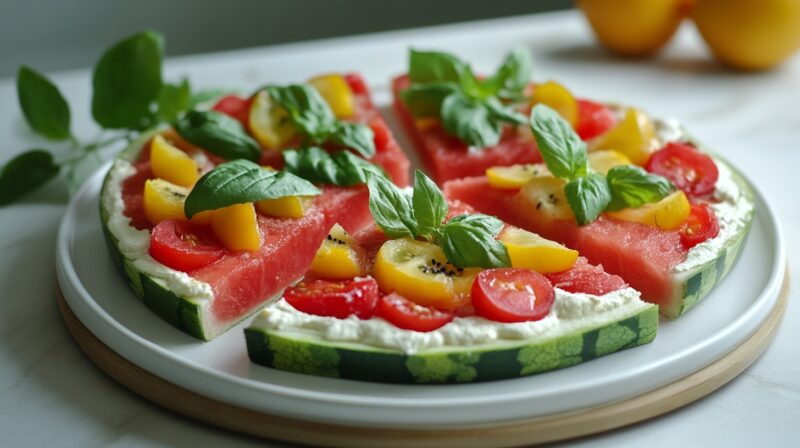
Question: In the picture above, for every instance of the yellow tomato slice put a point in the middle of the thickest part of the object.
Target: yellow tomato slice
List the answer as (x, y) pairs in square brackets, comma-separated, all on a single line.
[(634, 136), (530, 251), (604, 159), (668, 214), (236, 227), (420, 272), (336, 92), (337, 257), (172, 164), (557, 97), (270, 124), (515, 176)]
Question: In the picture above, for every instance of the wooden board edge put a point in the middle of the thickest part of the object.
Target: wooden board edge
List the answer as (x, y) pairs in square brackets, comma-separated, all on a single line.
[(523, 432)]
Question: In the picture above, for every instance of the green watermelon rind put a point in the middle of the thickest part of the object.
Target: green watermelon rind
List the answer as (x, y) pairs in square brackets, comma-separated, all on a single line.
[(303, 353), (190, 315), (691, 287)]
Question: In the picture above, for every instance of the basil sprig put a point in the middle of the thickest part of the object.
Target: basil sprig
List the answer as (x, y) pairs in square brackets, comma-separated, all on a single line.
[(473, 110), (313, 117), (590, 193), (341, 168), (467, 240), (242, 181), (128, 95), (219, 134)]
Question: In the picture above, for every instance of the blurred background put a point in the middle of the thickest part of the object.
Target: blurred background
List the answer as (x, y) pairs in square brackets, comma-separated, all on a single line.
[(57, 34)]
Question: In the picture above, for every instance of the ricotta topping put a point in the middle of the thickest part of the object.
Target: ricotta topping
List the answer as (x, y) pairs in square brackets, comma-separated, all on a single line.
[(134, 243), (571, 312)]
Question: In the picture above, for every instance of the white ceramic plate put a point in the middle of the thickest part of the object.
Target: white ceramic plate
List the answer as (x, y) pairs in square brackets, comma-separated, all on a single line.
[(221, 370)]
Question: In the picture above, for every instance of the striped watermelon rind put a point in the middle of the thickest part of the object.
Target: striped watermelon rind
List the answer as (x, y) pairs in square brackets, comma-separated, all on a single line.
[(693, 286), (307, 354)]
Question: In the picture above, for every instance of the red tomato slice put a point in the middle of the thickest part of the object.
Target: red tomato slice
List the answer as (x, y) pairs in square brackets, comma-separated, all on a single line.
[(689, 169), (701, 225), (593, 119), (235, 106), (182, 246), (382, 136), (338, 299), (356, 83), (512, 295), (405, 314)]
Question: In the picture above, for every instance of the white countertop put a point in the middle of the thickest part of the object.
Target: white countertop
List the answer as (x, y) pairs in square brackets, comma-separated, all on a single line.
[(51, 394)]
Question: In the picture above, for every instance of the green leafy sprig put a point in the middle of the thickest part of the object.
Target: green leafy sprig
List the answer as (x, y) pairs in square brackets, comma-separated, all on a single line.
[(590, 193), (474, 110), (341, 168), (467, 240), (128, 96)]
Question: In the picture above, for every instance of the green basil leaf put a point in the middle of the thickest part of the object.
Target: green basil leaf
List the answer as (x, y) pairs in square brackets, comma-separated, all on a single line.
[(242, 181), (391, 208), (513, 75), (486, 222), (470, 120), (425, 100), (341, 168), (357, 137), (430, 206), (126, 81), (173, 100), (631, 186), (434, 66), (503, 112), (466, 245), (219, 134), (561, 148), (45, 109), (587, 196), (306, 107), (25, 173)]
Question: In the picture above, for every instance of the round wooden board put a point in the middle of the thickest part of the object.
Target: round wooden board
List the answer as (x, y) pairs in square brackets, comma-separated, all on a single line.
[(521, 432)]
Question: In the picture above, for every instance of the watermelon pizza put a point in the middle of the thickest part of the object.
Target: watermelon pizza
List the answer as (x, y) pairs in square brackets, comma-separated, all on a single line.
[(210, 218), (436, 293)]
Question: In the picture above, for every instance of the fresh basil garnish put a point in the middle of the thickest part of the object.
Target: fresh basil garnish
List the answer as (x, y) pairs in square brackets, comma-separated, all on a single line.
[(443, 86), (314, 119), (590, 193), (127, 80), (632, 186), (242, 181), (587, 196), (561, 148), (173, 100), (466, 245), (467, 240), (219, 134), (316, 165), (25, 173), (45, 109)]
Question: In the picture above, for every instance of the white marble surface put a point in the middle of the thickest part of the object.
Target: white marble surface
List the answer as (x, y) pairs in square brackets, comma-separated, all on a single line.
[(51, 394)]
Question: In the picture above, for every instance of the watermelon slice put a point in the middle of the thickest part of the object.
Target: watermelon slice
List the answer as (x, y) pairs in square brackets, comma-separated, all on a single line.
[(648, 258), (446, 157), (469, 348)]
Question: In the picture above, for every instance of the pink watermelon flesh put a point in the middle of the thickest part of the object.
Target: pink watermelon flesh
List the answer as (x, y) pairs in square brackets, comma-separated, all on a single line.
[(642, 255), (243, 280), (448, 158)]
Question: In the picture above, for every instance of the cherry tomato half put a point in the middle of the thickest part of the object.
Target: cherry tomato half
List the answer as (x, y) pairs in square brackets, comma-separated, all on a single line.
[(689, 169), (182, 246), (701, 225), (593, 119), (339, 299), (405, 314), (512, 295), (235, 106)]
